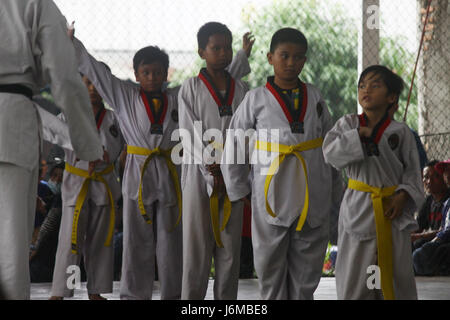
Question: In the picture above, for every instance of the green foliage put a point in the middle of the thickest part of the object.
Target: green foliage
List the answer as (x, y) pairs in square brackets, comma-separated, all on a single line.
[(393, 55), (332, 64), (332, 55)]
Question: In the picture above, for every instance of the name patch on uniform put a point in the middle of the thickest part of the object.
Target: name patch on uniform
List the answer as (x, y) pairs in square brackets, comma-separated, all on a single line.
[(372, 149), (225, 111), (393, 141), (114, 131), (174, 115), (297, 127), (156, 128)]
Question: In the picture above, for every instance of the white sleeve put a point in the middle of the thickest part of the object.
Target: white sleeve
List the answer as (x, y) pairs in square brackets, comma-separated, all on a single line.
[(54, 130), (239, 66), (192, 142), (342, 145), (114, 91), (59, 68), (235, 174)]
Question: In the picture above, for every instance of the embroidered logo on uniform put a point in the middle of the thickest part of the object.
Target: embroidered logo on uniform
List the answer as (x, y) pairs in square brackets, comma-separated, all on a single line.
[(393, 141), (319, 109), (114, 131), (174, 115)]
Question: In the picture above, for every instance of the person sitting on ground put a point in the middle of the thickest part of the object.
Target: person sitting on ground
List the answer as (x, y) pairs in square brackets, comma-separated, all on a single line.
[(433, 258), (430, 215)]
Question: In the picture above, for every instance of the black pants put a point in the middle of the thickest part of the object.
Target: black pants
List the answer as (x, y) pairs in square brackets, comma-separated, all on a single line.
[(432, 259)]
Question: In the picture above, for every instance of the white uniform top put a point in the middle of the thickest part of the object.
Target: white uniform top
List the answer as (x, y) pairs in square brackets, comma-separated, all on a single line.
[(198, 105), (261, 111), (113, 143), (35, 50), (397, 164), (125, 99)]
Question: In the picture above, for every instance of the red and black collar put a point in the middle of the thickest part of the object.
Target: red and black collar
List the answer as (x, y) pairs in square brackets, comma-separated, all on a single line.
[(224, 103), (295, 117), (99, 117), (377, 132), (156, 118), (379, 129)]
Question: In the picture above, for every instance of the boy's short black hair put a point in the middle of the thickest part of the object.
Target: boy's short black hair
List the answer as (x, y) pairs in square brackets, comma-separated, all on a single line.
[(431, 163), (209, 29), (393, 82), (289, 35), (150, 55)]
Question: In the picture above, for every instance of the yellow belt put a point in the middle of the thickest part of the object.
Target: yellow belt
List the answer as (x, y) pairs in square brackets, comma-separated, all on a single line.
[(384, 234), (214, 207), (173, 172), (96, 176), (284, 151)]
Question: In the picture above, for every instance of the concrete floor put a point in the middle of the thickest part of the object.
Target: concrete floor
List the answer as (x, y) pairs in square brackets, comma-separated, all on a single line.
[(435, 288)]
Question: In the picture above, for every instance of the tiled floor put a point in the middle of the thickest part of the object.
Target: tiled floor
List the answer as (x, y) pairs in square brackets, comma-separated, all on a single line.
[(437, 288)]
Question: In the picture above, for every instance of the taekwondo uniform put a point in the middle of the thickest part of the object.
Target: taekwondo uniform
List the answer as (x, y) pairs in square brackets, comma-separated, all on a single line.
[(87, 225), (150, 187), (377, 168), (35, 50), (212, 225), (290, 212)]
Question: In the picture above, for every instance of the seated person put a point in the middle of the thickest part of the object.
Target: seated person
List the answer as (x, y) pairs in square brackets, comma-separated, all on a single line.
[(433, 258), (430, 215), (47, 196), (43, 252)]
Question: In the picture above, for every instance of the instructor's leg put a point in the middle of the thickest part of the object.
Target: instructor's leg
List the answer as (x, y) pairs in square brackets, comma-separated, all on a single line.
[(18, 192)]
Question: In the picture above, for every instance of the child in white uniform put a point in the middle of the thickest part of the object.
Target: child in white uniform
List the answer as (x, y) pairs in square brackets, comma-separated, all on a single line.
[(212, 225), (88, 232), (290, 212), (380, 158)]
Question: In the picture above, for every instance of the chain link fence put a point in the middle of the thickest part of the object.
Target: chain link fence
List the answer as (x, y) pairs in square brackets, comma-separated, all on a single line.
[(434, 79), (113, 30)]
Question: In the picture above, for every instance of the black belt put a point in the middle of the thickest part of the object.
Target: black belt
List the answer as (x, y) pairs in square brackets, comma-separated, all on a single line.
[(16, 89)]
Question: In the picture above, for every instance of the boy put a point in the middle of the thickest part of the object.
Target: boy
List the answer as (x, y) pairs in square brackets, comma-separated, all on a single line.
[(376, 219), (147, 116), (211, 98), (290, 209), (87, 223)]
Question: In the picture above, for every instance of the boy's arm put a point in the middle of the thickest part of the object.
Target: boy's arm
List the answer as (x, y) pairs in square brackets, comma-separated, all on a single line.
[(342, 144), (191, 130), (235, 172), (444, 235), (240, 66), (114, 91), (59, 67)]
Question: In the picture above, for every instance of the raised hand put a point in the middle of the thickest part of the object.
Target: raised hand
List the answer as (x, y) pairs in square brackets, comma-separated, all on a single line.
[(71, 30), (247, 43)]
